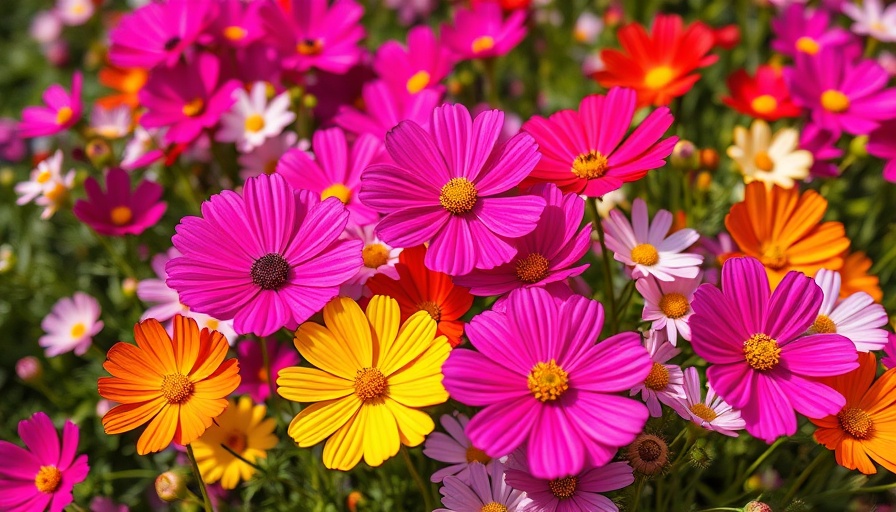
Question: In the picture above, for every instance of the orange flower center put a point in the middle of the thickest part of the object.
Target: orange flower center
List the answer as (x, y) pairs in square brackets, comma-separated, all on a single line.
[(704, 412), (43, 176), (458, 196), (856, 422), (375, 255), (57, 193), (674, 305), (254, 123), (193, 107), (773, 257), (763, 162), (493, 506), (762, 352), (547, 381), (370, 384), (64, 115), (177, 388), (418, 82), (337, 190), (78, 330), (235, 33), (658, 77), (270, 271), (432, 308), (310, 47), (658, 378), (765, 104), (271, 167), (482, 44), (823, 325), (236, 441), (532, 268), (807, 45), (834, 101), (590, 165), (476, 455), (563, 488), (262, 375), (645, 254), (121, 215), (48, 479)]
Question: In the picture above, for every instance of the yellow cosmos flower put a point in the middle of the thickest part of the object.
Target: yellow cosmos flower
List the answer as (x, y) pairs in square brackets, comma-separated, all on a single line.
[(374, 375), (244, 429)]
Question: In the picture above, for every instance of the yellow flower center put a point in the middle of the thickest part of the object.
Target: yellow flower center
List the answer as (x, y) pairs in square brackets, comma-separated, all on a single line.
[(765, 104), (310, 47), (834, 101), (823, 325), (432, 308), (48, 479), (235, 33), (658, 378), (458, 196), (64, 115), (337, 190), (856, 422), (773, 257), (493, 506), (254, 123), (212, 324), (476, 455), (590, 165), (762, 352), (236, 441), (482, 44), (78, 330), (674, 305), (704, 412), (193, 107), (121, 215), (547, 381), (375, 255), (370, 384), (763, 162), (645, 254), (532, 268), (43, 176), (56, 194), (262, 375), (177, 388), (659, 77), (418, 82), (563, 488), (807, 45)]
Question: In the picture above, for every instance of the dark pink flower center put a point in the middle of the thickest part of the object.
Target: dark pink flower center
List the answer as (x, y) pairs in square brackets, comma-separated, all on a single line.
[(270, 271)]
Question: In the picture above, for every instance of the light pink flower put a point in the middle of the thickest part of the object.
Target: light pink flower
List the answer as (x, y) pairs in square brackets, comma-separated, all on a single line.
[(664, 382), (713, 413), (668, 304), (71, 325), (456, 449), (857, 317)]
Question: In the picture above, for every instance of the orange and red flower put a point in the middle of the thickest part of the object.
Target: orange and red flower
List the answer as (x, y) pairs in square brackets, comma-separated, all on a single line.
[(127, 81), (763, 96)]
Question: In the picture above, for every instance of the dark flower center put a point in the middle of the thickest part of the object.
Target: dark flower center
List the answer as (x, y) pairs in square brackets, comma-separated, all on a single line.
[(270, 271), (172, 43)]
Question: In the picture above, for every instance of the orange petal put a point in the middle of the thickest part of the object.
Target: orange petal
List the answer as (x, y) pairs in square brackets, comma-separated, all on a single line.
[(160, 431), (126, 417), (152, 339)]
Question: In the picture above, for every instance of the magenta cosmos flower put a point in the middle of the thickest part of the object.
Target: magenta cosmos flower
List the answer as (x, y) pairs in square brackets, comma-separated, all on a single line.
[(543, 382), (449, 185), (546, 255), (41, 477), (159, 32), (882, 144), (584, 152), (335, 170), (61, 112), (801, 30), (423, 64), (71, 325), (761, 363), (186, 98), (118, 211), (385, 107), (254, 378), (483, 32), (284, 260), (842, 94)]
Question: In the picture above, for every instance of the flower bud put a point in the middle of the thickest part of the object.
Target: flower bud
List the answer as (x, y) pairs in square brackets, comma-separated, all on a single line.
[(684, 155), (704, 181), (98, 152), (757, 506), (7, 258), (709, 159), (129, 287), (29, 369), (353, 499), (858, 146), (171, 486), (648, 454)]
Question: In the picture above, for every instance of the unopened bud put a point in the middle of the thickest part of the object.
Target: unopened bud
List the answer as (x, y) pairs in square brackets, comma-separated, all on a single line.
[(29, 369), (7, 258), (709, 159), (309, 101), (684, 155), (858, 146), (129, 286), (170, 486), (757, 506), (98, 152), (7, 176), (648, 454), (704, 180), (353, 499)]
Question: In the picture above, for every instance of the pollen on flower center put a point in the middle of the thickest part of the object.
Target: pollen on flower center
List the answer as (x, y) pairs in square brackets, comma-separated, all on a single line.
[(482, 44), (48, 479), (337, 190), (458, 196), (121, 215), (563, 488), (834, 101), (762, 352), (856, 422), (590, 165), (645, 254), (658, 378), (418, 82), (823, 325), (808, 45), (64, 115), (235, 33), (432, 308), (193, 107), (270, 271), (254, 123), (704, 412), (547, 381), (177, 388), (236, 441), (375, 255), (370, 384), (78, 330), (310, 47), (476, 455), (764, 104), (674, 305), (658, 77), (493, 506), (532, 268), (763, 162), (773, 257)]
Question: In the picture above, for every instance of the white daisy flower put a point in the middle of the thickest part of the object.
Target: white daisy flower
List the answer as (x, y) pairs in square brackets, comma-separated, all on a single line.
[(773, 160), (712, 413), (856, 317), (111, 123), (48, 187), (252, 119), (74, 12), (378, 258), (872, 19)]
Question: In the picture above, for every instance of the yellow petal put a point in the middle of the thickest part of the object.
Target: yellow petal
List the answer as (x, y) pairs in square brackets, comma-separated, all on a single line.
[(318, 421), (381, 439), (413, 425), (350, 327), (318, 345), (415, 336), (311, 385), (344, 449), (419, 383), (385, 318)]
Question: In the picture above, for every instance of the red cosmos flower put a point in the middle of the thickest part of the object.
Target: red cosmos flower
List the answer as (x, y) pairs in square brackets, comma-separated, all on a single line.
[(763, 96), (657, 66)]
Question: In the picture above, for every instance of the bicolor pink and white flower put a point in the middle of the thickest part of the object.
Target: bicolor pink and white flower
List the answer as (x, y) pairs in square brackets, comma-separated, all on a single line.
[(664, 382), (378, 258), (711, 413), (485, 489), (857, 317), (872, 19), (47, 187), (71, 325), (667, 304), (456, 449), (252, 119), (111, 123)]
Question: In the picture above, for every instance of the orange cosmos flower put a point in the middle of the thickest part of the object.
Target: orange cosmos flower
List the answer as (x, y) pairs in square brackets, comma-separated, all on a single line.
[(657, 66), (865, 428), (177, 385), (127, 82), (854, 277), (780, 227)]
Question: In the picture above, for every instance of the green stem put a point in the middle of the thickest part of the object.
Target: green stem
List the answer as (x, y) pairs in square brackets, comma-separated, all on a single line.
[(804, 475), (424, 488), (638, 491), (591, 204), (230, 450), (275, 398), (131, 473), (756, 463), (120, 262), (206, 501)]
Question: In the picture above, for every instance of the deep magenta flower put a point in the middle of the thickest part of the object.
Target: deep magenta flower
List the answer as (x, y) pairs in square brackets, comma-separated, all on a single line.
[(118, 211), (186, 98), (801, 30), (450, 185), (549, 254), (238, 23), (543, 383), (420, 65), (587, 152), (385, 108), (882, 144), (62, 111), (823, 146), (761, 363), (41, 477), (254, 378), (483, 32), (283, 260)]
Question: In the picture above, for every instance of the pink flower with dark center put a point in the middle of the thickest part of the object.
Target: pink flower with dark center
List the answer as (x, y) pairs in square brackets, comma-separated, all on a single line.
[(119, 211), (421, 65), (254, 378), (61, 112), (483, 32), (385, 108)]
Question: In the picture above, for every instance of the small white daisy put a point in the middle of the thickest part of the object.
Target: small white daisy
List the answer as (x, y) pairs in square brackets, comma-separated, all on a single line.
[(664, 382), (773, 160), (713, 413), (111, 123), (856, 317), (872, 19), (668, 304), (48, 187), (71, 325), (252, 119)]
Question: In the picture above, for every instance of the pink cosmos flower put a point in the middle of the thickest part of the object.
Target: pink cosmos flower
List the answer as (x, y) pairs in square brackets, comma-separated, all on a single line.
[(74, 12), (254, 377), (450, 185), (882, 144), (334, 170), (159, 33), (264, 158), (668, 304), (584, 152), (118, 211), (664, 382), (284, 260), (71, 325), (186, 98), (889, 361), (484, 490), (238, 23), (379, 258), (12, 146), (144, 148), (313, 34), (543, 382), (422, 65), (760, 361), (455, 448), (823, 146), (857, 317), (872, 19), (385, 108), (842, 94), (61, 112), (712, 413), (546, 255), (801, 30), (573, 492), (483, 32), (48, 187), (252, 119), (648, 248), (41, 477)]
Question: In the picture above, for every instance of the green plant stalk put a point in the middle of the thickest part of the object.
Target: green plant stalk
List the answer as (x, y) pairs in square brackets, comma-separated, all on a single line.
[(756, 463), (591, 204), (206, 501), (424, 488), (240, 457), (791, 493)]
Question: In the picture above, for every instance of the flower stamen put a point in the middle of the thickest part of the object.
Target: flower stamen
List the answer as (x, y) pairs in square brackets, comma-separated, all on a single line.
[(458, 196), (547, 381), (762, 352)]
